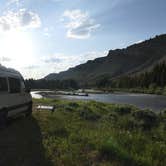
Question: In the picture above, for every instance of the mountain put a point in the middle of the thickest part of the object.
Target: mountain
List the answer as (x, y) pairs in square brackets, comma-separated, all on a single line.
[(133, 59)]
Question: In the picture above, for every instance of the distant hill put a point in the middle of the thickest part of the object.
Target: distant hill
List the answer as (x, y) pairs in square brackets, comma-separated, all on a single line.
[(135, 58)]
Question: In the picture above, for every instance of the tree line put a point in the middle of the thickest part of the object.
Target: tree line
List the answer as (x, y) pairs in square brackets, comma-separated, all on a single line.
[(51, 84), (149, 79)]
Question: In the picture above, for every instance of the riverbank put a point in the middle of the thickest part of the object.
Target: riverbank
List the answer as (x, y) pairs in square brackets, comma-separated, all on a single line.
[(142, 101), (156, 91), (86, 133), (85, 92)]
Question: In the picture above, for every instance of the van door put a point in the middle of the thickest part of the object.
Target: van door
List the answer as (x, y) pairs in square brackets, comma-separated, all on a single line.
[(3, 92), (16, 100)]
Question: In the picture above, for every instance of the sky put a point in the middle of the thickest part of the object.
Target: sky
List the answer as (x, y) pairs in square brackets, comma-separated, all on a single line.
[(38, 37)]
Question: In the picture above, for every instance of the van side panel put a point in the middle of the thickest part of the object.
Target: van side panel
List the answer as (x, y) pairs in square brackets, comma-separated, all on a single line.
[(14, 102)]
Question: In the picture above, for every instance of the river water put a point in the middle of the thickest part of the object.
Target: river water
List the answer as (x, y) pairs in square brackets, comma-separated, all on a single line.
[(143, 101)]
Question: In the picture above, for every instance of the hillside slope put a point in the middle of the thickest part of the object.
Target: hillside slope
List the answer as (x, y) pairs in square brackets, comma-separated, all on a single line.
[(135, 58)]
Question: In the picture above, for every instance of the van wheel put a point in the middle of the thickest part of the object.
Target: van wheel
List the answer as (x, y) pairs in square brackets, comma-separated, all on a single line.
[(3, 119), (29, 112)]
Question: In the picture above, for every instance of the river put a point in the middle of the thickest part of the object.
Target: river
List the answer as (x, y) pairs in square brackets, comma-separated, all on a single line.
[(143, 101)]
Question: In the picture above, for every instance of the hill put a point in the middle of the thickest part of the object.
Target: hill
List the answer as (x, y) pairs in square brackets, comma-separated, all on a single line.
[(135, 58)]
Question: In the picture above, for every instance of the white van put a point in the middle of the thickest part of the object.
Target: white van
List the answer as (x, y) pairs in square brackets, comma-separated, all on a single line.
[(14, 97)]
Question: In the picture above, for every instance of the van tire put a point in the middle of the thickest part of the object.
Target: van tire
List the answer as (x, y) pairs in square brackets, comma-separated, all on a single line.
[(3, 119), (29, 111)]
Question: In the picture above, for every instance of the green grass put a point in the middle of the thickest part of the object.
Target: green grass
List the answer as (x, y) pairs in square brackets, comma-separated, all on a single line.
[(85, 133)]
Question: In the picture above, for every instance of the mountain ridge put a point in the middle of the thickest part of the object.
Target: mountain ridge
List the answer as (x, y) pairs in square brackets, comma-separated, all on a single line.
[(130, 60)]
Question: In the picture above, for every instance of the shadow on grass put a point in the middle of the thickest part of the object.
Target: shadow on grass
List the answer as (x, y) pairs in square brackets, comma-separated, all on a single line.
[(21, 144)]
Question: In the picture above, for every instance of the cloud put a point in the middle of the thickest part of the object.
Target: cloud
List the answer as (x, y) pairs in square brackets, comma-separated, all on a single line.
[(31, 67), (5, 59), (10, 2), (13, 2), (53, 60), (47, 31), (80, 25), (139, 41), (23, 19), (56, 63), (60, 62)]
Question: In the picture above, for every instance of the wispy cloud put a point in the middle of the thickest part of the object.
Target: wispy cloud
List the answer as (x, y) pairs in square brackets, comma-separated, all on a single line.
[(30, 67), (21, 19), (60, 62), (5, 59), (139, 41), (13, 1), (80, 25)]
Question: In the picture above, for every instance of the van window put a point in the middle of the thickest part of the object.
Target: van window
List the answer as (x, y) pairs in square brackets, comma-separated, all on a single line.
[(3, 84), (22, 84), (15, 85)]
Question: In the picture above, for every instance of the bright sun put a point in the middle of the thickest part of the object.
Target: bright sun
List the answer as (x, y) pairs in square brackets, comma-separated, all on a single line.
[(18, 48)]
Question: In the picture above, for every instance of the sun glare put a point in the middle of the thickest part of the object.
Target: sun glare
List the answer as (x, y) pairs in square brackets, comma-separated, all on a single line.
[(17, 47)]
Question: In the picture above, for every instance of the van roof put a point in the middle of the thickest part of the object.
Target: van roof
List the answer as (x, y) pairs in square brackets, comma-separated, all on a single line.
[(4, 71)]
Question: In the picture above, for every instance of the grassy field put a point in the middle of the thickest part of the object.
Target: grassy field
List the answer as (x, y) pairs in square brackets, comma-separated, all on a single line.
[(85, 134)]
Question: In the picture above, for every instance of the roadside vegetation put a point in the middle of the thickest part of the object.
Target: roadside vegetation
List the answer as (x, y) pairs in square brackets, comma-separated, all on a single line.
[(85, 134)]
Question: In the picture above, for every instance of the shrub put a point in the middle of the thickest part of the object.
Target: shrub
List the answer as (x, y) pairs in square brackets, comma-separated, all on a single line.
[(110, 150), (158, 91), (164, 112), (123, 110), (152, 86), (58, 131), (147, 118), (128, 123), (164, 91), (73, 104), (88, 114), (112, 116), (69, 109)]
